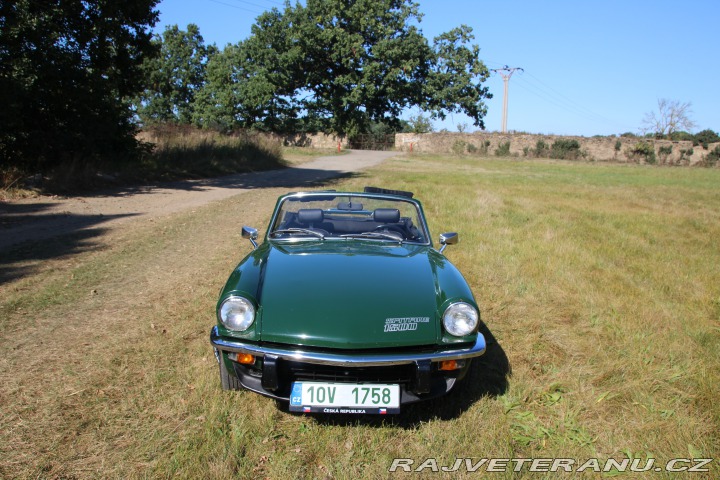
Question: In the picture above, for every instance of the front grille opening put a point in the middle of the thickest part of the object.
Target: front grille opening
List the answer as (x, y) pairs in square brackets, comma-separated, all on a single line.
[(298, 371)]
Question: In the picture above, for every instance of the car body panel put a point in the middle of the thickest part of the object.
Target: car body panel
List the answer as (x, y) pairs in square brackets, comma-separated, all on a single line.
[(339, 305), (345, 296)]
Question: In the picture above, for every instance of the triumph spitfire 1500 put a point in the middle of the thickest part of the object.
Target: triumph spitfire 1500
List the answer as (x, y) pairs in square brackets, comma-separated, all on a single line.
[(346, 307)]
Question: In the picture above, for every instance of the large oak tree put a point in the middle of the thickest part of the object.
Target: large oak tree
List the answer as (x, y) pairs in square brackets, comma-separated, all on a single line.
[(340, 66)]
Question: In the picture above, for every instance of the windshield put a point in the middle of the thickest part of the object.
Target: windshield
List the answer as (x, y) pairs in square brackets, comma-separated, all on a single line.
[(349, 216)]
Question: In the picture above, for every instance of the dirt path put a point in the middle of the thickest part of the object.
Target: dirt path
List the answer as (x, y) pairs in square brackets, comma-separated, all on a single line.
[(134, 280), (47, 217)]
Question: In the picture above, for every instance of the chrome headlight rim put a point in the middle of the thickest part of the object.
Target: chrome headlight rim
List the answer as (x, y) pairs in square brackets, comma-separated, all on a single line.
[(236, 313), (461, 319)]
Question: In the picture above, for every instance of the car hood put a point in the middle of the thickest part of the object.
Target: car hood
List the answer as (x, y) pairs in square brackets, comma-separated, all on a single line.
[(350, 295)]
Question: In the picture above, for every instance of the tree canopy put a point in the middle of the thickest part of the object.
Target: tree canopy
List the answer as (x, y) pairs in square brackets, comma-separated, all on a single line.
[(76, 75), (340, 66), (67, 71), (174, 76)]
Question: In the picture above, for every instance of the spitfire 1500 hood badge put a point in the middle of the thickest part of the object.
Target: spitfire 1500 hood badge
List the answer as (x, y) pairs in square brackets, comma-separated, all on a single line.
[(404, 324)]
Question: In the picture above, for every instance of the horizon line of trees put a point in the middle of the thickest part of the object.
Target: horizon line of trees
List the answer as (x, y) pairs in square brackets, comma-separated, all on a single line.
[(331, 66), (79, 77)]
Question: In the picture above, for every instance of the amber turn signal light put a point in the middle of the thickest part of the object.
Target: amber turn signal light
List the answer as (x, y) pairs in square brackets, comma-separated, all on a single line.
[(245, 358), (449, 365)]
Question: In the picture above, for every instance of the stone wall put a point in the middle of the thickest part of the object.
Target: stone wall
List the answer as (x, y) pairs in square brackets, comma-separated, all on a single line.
[(615, 149), (313, 140)]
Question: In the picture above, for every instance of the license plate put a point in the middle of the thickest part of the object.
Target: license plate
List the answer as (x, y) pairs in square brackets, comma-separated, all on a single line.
[(344, 398)]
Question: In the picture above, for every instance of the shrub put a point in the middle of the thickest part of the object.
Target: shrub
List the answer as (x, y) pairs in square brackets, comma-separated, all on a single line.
[(711, 159), (482, 149), (565, 149), (664, 152), (642, 151), (618, 145), (706, 137), (541, 149), (684, 154), (458, 147), (503, 150), (682, 136), (11, 179), (484, 145)]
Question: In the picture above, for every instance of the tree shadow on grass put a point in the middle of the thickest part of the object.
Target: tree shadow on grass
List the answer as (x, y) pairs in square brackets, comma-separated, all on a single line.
[(76, 234), (285, 178), (487, 377), (30, 234)]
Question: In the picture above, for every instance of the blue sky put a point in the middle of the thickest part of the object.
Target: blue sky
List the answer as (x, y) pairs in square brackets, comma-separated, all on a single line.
[(590, 67)]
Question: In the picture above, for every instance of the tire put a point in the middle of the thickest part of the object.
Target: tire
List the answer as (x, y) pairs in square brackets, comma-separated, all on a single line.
[(228, 382)]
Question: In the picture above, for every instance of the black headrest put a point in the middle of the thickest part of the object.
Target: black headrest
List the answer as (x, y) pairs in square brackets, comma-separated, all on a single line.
[(350, 206), (386, 215), (308, 216)]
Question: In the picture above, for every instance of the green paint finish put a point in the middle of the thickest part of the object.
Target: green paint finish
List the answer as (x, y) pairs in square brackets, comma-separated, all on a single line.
[(348, 293), (345, 296)]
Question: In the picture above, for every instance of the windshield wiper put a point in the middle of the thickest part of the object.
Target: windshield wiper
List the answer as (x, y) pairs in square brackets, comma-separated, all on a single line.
[(388, 236), (304, 231)]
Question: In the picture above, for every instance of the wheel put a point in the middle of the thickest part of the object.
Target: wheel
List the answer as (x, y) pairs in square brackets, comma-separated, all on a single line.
[(228, 382)]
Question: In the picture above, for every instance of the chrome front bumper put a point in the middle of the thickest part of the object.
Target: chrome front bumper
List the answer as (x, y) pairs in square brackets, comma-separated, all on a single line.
[(345, 359)]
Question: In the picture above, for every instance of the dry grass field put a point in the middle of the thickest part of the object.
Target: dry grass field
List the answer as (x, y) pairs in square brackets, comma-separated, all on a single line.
[(599, 283)]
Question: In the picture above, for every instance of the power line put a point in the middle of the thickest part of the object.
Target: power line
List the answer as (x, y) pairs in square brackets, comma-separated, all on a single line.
[(573, 103), (256, 4), (556, 101), (552, 96), (236, 7), (535, 86)]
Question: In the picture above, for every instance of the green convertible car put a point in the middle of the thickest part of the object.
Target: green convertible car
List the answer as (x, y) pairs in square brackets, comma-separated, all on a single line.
[(346, 307)]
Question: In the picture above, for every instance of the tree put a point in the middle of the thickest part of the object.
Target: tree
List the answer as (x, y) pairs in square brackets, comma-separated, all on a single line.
[(418, 124), (454, 81), (67, 71), (671, 116), (217, 103), (174, 76), (253, 84), (342, 66)]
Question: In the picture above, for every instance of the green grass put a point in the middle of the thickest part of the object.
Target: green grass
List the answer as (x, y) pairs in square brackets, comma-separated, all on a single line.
[(599, 282)]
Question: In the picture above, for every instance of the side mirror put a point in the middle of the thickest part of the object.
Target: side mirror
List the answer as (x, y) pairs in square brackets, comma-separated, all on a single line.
[(251, 234), (449, 238)]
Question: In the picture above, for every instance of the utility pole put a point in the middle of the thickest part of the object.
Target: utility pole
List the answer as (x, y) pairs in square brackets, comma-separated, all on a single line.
[(506, 72)]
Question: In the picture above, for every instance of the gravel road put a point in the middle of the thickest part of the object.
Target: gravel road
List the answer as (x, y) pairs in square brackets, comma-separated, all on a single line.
[(47, 217)]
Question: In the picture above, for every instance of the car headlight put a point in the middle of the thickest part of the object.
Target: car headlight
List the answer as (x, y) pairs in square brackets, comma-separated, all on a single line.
[(460, 319), (237, 313)]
